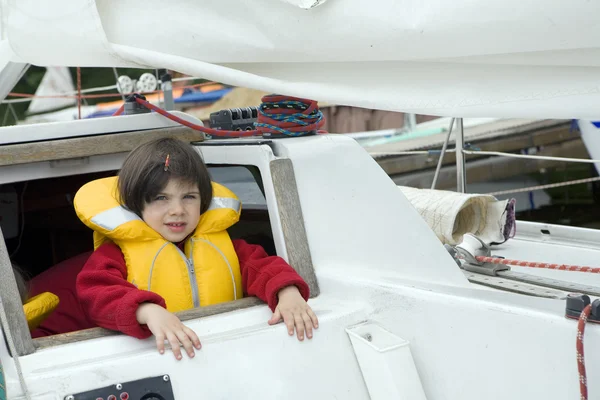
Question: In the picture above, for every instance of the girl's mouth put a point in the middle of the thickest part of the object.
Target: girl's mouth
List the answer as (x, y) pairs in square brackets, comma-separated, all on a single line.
[(176, 227)]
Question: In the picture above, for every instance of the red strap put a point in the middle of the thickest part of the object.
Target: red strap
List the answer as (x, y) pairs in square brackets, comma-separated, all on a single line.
[(580, 358)]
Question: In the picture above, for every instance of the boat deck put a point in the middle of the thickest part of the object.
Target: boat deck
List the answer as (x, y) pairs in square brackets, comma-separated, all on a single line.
[(562, 245)]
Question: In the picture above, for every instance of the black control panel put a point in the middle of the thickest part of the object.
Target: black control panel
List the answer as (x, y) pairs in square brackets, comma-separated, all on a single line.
[(234, 119), (156, 388)]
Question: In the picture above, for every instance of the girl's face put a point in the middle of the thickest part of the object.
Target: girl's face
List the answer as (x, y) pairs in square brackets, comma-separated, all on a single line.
[(175, 211)]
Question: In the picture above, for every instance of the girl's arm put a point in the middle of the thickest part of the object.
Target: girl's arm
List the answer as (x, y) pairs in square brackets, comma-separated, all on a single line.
[(273, 280), (113, 303), (107, 298), (264, 276)]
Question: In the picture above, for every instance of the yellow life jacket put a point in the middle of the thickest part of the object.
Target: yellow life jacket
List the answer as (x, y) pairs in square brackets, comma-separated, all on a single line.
[(38, 308), (207, 271)]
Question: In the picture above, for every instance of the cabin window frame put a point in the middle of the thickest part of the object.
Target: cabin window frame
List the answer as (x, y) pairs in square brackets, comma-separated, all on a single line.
[(12, 306), (294, 237)]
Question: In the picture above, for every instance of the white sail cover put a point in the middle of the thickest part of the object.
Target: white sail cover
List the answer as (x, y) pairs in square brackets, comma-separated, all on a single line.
[(451, 215), (462, 58)]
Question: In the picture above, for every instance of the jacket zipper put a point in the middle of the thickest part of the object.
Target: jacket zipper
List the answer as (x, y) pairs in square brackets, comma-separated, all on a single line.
[(189, 262)]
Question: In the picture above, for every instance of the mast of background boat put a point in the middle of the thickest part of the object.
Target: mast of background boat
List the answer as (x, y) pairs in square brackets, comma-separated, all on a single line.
[(167, 88), (461, 173), (441, 159), (120, 89), (410, 122)]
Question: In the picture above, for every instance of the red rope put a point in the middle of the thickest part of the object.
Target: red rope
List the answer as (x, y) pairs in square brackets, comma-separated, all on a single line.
[(209, 131), (120, 110), (580, 358), (583, 318), (517, 263), (289, 126)]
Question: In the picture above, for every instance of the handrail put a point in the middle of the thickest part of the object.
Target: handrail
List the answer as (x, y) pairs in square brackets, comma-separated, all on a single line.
[(548, 186), (531, 156), (482, 152), (461, 169)]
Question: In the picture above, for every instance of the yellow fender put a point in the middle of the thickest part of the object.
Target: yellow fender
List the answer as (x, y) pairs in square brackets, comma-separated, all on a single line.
[(39, 307)]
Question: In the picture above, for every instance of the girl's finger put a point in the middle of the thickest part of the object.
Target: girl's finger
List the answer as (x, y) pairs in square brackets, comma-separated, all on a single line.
[(299, 322), (160, 343), (186, 342), (175, 346), (308, 325), (288, 319), (193, 337), (313, 317)]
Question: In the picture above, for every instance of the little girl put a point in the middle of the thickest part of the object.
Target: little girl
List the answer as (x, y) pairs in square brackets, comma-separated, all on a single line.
[(161, 246)]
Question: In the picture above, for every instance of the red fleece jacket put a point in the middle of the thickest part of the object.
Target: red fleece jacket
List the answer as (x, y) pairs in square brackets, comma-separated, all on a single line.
[(111, 302)]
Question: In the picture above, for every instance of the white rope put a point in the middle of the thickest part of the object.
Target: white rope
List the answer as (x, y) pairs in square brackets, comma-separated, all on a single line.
[(90, 90), (72, 93), (489, 153), (548, 186), (530, 156), (408, 153)]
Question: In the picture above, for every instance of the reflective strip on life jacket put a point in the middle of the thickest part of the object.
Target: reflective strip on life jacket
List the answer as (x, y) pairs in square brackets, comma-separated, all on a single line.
[(225, 202), (116, 216), (112, 218)]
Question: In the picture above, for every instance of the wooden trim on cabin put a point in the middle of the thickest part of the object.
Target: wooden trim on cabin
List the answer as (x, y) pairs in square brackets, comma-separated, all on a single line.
[(94, 333), (292, 222), (62, 149), (10, 302)]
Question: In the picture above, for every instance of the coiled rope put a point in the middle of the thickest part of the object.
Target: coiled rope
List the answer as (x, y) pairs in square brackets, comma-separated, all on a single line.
[(280, 115)]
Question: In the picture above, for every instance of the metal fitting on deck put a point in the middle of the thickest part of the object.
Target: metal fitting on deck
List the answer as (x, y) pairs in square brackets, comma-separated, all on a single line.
[(472, 247), (132, 107)]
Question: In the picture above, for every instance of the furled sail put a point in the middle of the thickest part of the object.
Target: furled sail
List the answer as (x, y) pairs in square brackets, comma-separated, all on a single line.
[(499, 58)]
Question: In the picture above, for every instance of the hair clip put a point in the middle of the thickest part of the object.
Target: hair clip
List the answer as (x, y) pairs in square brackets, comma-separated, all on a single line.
[(167, 161)]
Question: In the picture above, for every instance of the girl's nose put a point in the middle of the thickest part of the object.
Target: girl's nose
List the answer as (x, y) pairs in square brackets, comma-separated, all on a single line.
[(176, 207)]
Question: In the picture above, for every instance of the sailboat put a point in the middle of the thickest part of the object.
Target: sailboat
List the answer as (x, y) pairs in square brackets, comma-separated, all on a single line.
[(401, 315)]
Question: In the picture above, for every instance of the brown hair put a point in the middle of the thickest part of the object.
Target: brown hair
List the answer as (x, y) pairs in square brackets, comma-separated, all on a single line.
[(146, 172)]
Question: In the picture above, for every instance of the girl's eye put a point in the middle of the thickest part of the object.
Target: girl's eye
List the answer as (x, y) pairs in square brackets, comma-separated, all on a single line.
[(160, 198), (189, 196)]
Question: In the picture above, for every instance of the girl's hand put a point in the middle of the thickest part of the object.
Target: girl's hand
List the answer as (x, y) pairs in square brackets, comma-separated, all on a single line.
[(295, 312), (165, 325)]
